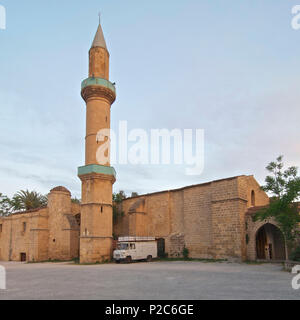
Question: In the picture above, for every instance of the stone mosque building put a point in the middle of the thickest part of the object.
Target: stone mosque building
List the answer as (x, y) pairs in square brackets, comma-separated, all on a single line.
[(213, 220)]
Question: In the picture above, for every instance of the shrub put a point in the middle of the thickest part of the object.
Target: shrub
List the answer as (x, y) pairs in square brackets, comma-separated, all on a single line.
[(295, 255), (185, 253)]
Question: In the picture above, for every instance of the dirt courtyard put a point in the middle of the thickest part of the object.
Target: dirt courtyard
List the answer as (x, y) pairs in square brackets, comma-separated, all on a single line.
[(143, 281)]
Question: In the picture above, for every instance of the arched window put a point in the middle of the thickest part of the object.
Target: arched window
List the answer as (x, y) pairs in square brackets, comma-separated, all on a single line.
[(253, 198)]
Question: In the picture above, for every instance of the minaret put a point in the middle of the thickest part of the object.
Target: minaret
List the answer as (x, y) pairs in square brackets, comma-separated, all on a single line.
[(97, 176)]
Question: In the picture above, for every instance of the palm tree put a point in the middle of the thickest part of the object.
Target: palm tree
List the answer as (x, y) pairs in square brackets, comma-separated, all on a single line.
[(26, 200)]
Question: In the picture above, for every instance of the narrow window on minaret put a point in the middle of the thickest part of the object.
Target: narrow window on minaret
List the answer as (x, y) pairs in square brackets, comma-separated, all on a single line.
[(101, 209)]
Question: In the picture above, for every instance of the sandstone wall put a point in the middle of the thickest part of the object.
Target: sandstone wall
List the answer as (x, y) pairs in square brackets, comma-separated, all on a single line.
[(42, 234), (25, 233), (208, 219)]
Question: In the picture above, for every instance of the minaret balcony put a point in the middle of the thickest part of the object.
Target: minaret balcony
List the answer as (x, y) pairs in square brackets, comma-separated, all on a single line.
[(95, 170), (98, 87)]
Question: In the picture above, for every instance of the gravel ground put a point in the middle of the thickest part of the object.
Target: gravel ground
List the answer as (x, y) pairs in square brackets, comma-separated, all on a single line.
[(153, 281)]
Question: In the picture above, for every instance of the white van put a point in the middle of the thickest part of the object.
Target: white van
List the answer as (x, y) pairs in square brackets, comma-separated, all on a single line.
[(135, 248)]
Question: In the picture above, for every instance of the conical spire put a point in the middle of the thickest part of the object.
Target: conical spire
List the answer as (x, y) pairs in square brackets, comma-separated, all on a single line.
[(99, 40)]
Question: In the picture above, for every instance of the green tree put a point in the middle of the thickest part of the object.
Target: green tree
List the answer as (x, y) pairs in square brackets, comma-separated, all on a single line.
[(119, 197), (117, 204), (5, 205), (75, 200), (28, 200), (284, 187)]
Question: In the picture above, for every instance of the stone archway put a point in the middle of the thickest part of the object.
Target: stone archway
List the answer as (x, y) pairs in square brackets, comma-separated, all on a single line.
[(270, 243)]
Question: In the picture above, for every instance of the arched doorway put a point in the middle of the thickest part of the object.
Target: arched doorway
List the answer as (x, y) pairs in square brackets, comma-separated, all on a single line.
[(270, 244)]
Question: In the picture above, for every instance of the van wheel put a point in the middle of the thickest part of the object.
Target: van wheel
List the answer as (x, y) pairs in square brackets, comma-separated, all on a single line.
[(128, 259), (149, 258)]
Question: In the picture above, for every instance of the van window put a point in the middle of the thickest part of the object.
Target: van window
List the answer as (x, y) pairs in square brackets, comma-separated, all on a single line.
[(132, 246), (123, 246)]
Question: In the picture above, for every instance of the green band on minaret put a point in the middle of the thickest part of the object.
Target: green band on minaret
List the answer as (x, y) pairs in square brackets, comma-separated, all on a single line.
[(95, 168), (98, 82)]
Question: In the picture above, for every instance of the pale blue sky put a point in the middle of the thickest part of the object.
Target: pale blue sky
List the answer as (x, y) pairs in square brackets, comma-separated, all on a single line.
[(229, 67)]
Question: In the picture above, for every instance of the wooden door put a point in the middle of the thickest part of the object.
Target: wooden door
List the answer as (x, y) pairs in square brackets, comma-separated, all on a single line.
[(23, 257), (261, 241)]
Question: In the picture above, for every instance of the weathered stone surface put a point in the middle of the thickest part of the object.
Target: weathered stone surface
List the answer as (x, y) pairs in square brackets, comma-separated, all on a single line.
[(42, 234), (208, 219)]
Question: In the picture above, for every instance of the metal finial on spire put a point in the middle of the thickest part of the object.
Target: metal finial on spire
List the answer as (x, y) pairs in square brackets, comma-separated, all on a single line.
[(99, 40)]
